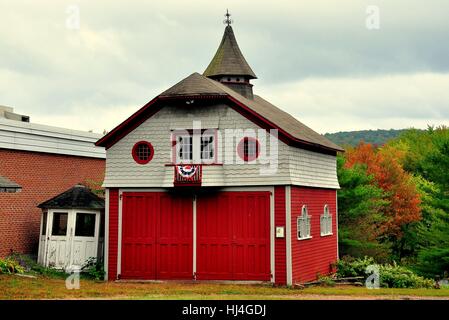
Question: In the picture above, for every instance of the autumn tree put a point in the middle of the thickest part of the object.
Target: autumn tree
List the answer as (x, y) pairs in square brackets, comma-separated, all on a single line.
[(399, 189), (359, 205)]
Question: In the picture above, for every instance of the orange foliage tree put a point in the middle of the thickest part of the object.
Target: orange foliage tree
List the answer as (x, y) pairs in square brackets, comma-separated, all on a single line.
[(400, 191)]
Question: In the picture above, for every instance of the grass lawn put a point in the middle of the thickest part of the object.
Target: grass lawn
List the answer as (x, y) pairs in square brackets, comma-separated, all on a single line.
[(15, 287)]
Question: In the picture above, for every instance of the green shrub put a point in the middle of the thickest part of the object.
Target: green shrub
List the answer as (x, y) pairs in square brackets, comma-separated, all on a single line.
[(94, 268), (353, 267), (10, 266), (30, 265), (391, 275), (394, 276)]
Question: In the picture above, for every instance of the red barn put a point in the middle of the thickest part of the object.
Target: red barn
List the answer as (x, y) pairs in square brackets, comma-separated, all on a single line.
[(209, 181)]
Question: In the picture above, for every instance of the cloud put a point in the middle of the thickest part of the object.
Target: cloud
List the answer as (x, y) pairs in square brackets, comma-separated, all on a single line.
[(391, 101), (314, 59)]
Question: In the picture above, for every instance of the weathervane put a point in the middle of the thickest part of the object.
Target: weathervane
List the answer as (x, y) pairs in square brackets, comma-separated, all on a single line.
[(227, 21)]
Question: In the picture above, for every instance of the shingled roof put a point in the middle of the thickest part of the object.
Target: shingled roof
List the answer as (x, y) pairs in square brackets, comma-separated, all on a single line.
[(197, 85), (77, 197), (228, 59), (193, 85)]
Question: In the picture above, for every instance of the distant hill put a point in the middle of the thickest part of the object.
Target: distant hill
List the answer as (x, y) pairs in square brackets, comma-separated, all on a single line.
[(375, 137)]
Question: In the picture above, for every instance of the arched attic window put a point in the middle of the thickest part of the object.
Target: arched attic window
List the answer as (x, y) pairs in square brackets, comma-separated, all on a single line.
[(304, 224), (326, 222)]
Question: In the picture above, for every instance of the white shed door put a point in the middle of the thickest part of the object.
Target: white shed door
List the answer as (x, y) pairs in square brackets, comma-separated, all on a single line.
[(85, 239), (58, 248), (72, 239), (43, 239)]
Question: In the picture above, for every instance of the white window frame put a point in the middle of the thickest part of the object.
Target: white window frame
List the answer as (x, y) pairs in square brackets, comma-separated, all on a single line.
[(197, 156), (180, 143), (326, 222), (304, 224), (209, 147)]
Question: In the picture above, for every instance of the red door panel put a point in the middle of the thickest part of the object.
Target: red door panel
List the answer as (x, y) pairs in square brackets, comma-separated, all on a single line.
[(252, 236), (156, 236), (214, 243), (175, 238), (233, 236), (139, 222)]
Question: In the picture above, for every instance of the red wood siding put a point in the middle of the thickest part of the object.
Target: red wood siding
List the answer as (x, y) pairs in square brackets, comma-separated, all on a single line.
[(280, 243), (157, 236), (113, 233), (233, 240), (312, 256)]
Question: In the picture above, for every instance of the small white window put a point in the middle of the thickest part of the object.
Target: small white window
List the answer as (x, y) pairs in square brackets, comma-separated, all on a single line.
[(326, 222), (207, 147), (303, 224), (184, 148)]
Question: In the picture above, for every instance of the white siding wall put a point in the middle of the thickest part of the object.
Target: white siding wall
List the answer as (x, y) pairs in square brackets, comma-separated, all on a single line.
[(26, 136), (313, 169), (122, 171)]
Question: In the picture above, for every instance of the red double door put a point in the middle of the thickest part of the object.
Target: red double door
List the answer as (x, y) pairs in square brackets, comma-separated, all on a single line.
[(156, 236), (232, 238)]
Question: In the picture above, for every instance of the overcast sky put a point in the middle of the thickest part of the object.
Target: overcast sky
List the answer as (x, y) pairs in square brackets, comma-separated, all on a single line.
[(315, 59)]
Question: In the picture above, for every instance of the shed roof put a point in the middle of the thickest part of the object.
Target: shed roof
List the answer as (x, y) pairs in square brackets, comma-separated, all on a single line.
[(77, 197), (229, 60)]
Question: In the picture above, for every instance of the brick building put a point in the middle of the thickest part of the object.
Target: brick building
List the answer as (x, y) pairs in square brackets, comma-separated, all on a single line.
[(38, 162)]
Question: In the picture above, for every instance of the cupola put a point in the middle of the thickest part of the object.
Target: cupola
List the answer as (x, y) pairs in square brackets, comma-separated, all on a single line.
[(229, 66)]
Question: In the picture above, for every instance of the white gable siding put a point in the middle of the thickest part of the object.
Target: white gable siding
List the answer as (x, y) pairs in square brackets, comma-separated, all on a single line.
[(123, 171), (312, 169)]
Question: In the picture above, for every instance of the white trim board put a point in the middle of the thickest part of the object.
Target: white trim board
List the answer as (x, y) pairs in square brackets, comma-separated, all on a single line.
[(106, 235), (288, 239), (272, 239), (336, 222), (119, 238)]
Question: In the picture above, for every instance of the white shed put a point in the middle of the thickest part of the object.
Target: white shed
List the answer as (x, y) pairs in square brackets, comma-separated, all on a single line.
[(72, 229)]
